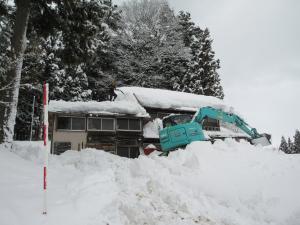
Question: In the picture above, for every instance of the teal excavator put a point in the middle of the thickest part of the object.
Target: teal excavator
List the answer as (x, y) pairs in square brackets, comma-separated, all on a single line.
[(180, 130)]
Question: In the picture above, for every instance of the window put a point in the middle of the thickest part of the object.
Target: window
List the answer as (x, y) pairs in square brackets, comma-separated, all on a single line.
[(94, 124), (134, 125), (104, 124), (108, 124), (78, 123), (123, 124), (71, 123), (64, 123), (129, 124)]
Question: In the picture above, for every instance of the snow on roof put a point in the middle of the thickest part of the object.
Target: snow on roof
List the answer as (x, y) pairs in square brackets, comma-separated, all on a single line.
[(106, 108), (132, 100), (166, 99)]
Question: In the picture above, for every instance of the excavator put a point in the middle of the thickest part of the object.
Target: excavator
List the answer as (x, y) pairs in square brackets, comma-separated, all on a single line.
[(180, 130)]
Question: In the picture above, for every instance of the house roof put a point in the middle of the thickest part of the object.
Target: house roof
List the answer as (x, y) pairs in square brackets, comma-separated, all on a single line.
[(104, 108), (134, 100), (166, 99)]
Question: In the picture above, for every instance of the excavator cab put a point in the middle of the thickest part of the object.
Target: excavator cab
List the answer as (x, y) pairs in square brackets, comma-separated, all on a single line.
[(179, 130)]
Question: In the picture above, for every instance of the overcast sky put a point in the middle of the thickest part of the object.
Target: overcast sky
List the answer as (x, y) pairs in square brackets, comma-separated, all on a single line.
[(258, 43)]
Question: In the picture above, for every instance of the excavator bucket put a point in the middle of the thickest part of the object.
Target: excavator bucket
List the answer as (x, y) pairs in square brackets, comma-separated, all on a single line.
[(264, 140)]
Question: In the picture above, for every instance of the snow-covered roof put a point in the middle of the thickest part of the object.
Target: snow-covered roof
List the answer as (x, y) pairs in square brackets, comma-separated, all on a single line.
[(134, 100), (106, 108), (166, 99)]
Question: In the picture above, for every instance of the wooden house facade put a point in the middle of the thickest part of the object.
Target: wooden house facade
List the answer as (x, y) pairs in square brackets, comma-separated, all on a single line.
[(121, 135)]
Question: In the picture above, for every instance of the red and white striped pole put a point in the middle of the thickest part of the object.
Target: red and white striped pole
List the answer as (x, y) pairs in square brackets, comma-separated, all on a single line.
[(45, 101)]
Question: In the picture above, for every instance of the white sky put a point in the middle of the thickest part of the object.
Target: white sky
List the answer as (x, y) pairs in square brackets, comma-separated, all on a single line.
[(258, 43)]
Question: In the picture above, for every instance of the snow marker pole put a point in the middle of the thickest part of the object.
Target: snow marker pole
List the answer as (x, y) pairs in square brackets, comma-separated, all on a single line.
[(32, 115), (45, 102)]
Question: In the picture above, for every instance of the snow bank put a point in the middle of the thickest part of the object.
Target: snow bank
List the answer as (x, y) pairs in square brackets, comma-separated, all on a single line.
[(166, 99), (32, 151), (151, 129), (227, 183), (107, 107)]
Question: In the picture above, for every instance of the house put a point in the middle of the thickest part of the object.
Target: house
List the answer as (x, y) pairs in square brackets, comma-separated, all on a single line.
[(115, 127), (130, 123)]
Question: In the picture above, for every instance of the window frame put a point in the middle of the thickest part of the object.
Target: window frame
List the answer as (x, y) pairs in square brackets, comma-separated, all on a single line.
[(101, 118), (60, 129), (128, 130), (71, 117), (78, 118), (97, 118)]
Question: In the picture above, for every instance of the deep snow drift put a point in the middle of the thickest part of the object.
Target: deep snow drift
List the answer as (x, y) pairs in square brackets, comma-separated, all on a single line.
[(225, 183)]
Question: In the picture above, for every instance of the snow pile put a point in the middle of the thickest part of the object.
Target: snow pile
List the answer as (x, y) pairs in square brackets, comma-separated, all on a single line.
[(32, 151), (151, 129), (107, 107), (166, 99), (227, 183)]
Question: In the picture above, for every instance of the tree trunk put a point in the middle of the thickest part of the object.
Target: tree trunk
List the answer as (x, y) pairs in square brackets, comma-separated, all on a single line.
[(9, 97)]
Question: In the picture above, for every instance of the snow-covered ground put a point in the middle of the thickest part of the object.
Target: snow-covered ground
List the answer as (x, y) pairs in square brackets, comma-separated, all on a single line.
[(226, 183)]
